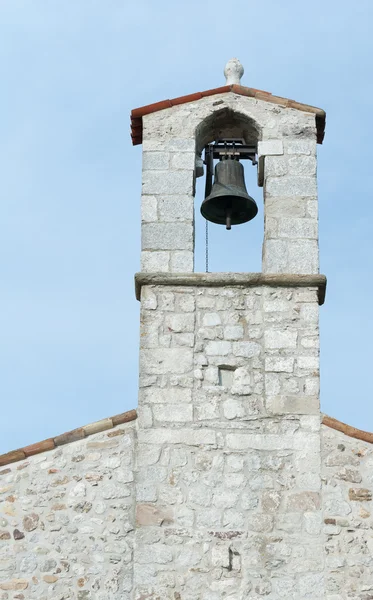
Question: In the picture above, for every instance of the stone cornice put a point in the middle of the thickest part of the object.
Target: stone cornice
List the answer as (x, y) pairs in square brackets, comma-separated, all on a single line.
[(231, 280)]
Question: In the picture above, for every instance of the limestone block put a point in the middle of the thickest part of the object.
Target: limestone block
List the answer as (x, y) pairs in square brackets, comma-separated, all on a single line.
[(270, 502), (166, 360), (276, 305), (211, 319), (234, 519), (189, 437), (183, 339), (183, 160), (158, 161), (173, 144), (309, 363), (182, 261), (275, 256), (186, 302), (309, 312), (171, 413), (148, 298), (220, 556), (246, 349), (288, 186), (175, 208), (233, 332), (233, 409), (303, 502), (293, 146), (303, 257), (171, 395), (271, 228), (211, 375), (286, 206), (302, 165), (310, 423), (200, 494), (276, 166), (245, 441), (312, 209), (278, 338), (154, 262), (148, 514), (179, 322), (296, 405), (279, 364), (208, 410), (145, 416), (149, 209), (167, 182), (314, 582), (295, 228), (167, 236), (260, 523), (242, 381), (312, 523), (270, 147), (155, 553), (218, 348)]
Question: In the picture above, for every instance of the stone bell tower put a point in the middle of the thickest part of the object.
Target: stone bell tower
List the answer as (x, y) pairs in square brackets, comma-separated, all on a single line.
[(228, 460)]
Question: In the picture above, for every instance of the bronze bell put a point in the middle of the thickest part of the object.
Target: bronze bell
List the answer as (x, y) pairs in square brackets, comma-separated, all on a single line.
[(229, 203)]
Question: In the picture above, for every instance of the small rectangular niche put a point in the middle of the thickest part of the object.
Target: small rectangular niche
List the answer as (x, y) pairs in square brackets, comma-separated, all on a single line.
[(225, 373)]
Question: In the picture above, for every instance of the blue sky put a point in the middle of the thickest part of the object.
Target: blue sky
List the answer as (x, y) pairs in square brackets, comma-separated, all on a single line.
[(70, 184)]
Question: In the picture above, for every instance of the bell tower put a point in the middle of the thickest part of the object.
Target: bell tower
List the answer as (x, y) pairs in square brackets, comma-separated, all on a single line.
[(228, 460)]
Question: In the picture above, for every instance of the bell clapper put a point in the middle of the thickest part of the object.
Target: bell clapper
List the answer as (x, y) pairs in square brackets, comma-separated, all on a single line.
[(228, 219)]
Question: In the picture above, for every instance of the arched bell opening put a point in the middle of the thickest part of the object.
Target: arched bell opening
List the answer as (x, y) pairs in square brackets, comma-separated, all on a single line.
[(227, 195)]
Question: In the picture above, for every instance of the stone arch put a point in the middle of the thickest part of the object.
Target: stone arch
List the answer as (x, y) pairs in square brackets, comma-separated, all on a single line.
[(226, 123)]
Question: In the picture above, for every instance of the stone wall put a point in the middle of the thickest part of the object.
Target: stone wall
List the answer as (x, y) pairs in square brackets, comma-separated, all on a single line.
[(67, 521), (347, 473), (228, 478)]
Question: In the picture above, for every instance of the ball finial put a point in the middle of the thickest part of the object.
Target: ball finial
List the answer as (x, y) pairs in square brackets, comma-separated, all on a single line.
[(233, 71)]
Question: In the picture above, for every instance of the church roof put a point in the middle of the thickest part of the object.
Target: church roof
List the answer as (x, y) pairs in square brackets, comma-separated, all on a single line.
[(138, 113), (131, 415), (67, 438)]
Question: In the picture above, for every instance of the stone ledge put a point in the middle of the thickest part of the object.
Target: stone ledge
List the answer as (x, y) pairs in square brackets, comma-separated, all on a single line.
[(231, 279)]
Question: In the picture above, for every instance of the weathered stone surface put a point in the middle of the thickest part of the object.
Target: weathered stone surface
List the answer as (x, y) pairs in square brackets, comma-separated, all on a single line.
[(167, 182), (270, 147), (166, 236), (155, 161), (30, 522), (360, 494), (303, 502), (62, 526), (14, 584), (18, 535)]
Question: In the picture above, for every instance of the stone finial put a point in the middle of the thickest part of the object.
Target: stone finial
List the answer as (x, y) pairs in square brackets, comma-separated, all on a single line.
[(233, 71)]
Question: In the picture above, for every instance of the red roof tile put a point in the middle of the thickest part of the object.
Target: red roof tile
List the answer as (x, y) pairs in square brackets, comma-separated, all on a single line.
[(138, 113), (66, 438)]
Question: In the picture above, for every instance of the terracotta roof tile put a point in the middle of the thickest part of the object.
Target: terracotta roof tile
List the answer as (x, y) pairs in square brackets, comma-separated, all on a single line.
[(138, 113), (67, 438), (353, 432), (39, 447)]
